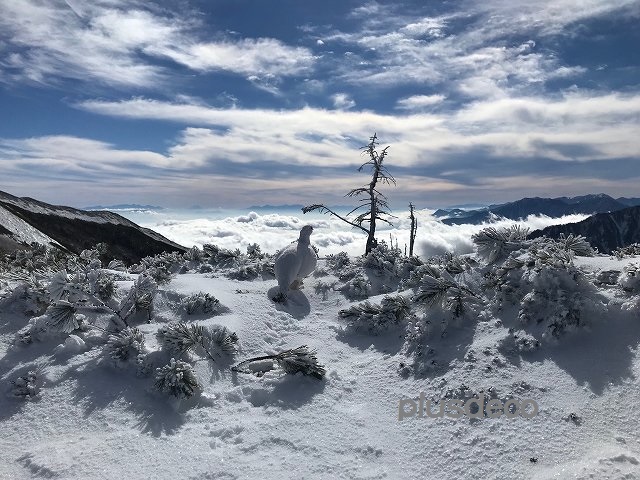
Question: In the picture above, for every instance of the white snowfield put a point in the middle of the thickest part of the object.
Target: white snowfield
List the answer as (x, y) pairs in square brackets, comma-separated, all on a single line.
[(95, 421), (21, 230)]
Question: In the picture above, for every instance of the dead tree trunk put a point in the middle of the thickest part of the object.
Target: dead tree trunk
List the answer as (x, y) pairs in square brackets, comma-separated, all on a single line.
[(414, 229)]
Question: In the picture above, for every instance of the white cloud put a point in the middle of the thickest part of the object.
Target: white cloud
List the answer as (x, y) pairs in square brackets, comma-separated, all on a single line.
[(118, 43), (276, 230), (262, 56), (343, 101), (419, 102), (469, 50), (603, 126), (430, 27), (72, 153)]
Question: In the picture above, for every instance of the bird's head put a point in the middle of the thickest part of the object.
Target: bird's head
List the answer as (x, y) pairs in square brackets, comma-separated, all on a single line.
[(305, 233)]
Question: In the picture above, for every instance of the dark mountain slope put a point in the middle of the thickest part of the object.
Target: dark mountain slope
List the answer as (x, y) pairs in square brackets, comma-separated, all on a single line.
[(605, 231), (76, 230)]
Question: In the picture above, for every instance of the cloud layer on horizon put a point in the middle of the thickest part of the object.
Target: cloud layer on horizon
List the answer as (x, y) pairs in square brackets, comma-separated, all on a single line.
[(273, 231)]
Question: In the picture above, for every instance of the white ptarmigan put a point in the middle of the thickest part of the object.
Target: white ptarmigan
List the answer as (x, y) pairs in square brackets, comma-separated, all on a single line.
[(295, 261)]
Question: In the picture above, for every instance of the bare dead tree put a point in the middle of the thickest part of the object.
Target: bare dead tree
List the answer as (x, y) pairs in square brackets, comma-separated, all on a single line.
[(375, 203), (414, 228)]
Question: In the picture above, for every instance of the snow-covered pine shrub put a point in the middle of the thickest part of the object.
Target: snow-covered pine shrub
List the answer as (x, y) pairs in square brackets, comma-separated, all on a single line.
[(127, 343), (415, 276), (30, 295), (630, 278), (406, 266), (608, 277), (383, 259), (548, 252), (560, 298), (551, 293), (62, 316), (254, 251), (194, 254), (455, 264), (629, 250), (90, 258), (160, 275), (495, 244), (445, 292), (180, 338), (576, 244), (358, 287), (337, 262), (302, 360), (292, 361), (93, 291), (101, 285), (117, 265), (26, 387), (140, 297), (200, 302), (160, 267), (342, 266), (210, 250), (221, 257), (223, 339), (375, 318), (269, 267), (249, 271), (177, 378), (37, 257)]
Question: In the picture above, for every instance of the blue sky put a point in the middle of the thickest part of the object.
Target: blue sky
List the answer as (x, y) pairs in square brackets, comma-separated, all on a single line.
[(235, 103)]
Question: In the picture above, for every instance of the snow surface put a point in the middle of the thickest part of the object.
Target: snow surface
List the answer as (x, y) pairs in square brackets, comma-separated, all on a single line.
[(91, 420), (22, 231)]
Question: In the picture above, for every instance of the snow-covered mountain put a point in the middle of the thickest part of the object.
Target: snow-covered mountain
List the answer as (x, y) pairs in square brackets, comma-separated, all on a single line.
[(604, 231), (551, 207), (26, 220), (124, 206)]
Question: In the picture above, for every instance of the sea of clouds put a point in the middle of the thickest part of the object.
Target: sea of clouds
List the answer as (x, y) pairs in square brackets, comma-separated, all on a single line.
[(273, 231)]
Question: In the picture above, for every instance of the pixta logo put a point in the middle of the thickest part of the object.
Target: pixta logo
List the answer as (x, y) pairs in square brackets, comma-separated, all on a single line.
[(474, 407)]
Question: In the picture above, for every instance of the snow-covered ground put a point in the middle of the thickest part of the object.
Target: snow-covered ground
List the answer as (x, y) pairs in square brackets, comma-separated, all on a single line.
[(95, 419), (23, 231)]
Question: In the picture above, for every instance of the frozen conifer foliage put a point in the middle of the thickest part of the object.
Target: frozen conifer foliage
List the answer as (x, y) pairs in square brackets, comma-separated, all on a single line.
[(126, 344), (292, 361), (178, 379)]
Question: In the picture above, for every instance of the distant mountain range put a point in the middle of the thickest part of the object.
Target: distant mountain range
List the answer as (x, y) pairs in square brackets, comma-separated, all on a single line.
[(604, 231), (551, 207), (124, 206), (26, 220)]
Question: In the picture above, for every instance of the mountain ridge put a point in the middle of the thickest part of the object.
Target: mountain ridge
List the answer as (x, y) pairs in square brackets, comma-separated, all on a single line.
[(604, 231), (28, 220), (551, 207)]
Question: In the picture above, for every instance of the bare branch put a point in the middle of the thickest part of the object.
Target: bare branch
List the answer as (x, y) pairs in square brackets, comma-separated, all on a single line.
[(324, 209)]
